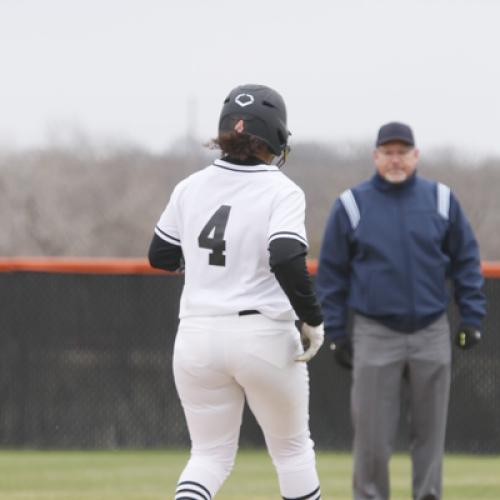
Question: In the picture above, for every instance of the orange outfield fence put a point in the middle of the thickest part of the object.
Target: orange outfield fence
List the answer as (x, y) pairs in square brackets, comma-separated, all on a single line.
[(491, 269), (78, 265)]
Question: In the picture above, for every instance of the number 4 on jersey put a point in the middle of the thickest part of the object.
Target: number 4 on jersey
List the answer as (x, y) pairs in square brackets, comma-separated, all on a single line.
[(212, 236)]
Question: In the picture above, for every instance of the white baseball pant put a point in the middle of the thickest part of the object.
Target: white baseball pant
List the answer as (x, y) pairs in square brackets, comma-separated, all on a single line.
[(220, 361)]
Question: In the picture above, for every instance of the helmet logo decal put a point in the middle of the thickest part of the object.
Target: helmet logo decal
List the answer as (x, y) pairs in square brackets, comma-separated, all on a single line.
[(244, 99), (239, 126)]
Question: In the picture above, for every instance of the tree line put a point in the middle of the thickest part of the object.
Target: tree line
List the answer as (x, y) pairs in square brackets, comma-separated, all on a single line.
[(80, 200)]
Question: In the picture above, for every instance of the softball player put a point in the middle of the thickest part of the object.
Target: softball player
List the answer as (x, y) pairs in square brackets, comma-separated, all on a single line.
[(238, 225)]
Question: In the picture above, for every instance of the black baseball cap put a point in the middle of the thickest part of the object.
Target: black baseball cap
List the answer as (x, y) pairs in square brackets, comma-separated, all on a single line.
[(395, 131)]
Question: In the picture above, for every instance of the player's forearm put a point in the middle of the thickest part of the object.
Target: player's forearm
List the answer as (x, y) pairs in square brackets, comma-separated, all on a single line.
[(164, 255), (288, 263)]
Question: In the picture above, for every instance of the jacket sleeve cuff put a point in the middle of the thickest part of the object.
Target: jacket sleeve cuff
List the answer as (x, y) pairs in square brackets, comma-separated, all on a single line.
[(476, 323)]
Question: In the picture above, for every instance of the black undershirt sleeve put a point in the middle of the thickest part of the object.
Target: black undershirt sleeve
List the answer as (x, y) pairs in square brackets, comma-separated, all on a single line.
[(164, 255), (287, 258)]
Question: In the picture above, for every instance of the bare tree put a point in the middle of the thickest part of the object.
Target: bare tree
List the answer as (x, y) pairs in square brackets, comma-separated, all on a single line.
[(83, 200)]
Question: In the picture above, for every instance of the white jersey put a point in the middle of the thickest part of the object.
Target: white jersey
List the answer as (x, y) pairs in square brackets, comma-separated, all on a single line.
[(224, 218)]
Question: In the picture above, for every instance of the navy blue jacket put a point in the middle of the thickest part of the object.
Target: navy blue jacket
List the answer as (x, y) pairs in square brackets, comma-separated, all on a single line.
[(394, 265)]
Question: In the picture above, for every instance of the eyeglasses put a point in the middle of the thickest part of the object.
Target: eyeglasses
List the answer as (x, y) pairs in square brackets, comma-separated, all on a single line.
[(400, 153)]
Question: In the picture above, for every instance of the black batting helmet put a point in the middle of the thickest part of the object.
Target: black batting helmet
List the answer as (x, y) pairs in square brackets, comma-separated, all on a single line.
[(259, 111)]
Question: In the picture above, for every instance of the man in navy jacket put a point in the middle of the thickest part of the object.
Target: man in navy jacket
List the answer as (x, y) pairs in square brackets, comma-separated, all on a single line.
[(390, 246)]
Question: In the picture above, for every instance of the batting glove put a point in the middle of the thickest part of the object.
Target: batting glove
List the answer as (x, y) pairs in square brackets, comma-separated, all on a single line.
[(342, 352), (313, 337), (467, 337)]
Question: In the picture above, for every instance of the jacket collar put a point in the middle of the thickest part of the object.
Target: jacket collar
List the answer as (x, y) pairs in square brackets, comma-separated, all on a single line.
[(382, 185)]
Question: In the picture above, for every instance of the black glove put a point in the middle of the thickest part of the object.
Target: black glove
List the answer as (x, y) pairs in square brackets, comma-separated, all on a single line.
[(342, 352), (467, 337)]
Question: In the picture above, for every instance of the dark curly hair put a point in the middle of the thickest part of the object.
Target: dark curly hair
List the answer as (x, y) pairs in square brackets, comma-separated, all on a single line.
[(239, 146)]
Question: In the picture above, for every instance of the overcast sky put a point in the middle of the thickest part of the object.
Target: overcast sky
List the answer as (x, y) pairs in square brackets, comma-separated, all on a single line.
[(149, 70)]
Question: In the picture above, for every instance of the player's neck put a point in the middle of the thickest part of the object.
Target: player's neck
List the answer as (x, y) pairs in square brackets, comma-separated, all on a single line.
[(253, 160)]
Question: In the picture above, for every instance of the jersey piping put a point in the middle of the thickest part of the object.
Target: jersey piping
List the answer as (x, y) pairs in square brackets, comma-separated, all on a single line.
[(245, 169), (288, 234), (166, 237)]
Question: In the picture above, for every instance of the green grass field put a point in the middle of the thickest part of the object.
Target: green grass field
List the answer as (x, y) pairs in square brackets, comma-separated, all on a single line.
[(151, 475)]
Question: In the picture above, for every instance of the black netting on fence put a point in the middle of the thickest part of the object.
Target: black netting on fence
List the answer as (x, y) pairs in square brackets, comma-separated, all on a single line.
[(85, 361)]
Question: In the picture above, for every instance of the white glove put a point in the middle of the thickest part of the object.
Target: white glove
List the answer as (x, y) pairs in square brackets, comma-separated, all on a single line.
[(314, 336)]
